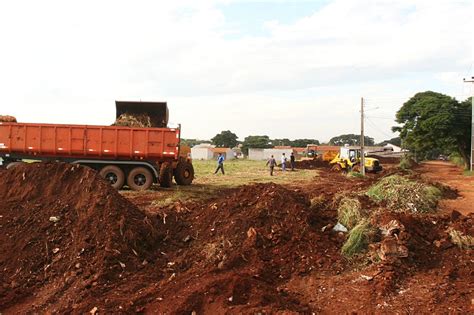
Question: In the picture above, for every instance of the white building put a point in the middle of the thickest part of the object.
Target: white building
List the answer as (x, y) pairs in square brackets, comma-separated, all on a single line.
[(206, 151), (265, 154), (203, 151)]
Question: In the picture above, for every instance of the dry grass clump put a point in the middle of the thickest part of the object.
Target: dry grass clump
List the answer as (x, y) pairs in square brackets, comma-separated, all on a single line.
[(461, 240), (359, 239), (136, 121), (349, 212), (318, 202), (402, 194)]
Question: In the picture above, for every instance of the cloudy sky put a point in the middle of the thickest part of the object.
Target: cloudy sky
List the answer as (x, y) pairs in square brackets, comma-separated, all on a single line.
[(284, 68)]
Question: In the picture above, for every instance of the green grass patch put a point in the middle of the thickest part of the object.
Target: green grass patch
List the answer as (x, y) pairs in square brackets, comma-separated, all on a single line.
[(349, 212), (358, 240), (402, 194), (468, 173)]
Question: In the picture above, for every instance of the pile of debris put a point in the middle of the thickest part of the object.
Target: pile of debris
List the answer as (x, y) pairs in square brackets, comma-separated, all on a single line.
[(311, 164), (6, 118), (135, 121)]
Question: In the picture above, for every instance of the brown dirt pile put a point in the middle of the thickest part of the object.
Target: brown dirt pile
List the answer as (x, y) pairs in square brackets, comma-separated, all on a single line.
[(129, 120), (6, 118), (240, 248), (67, 237), (311, 164)]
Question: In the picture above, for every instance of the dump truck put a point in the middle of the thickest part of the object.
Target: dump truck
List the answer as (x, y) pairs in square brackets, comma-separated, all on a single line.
[(136, 157), (348, 159)]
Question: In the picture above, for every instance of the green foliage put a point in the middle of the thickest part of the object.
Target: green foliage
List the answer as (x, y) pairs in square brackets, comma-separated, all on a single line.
[(255, 142), (434, 123), (225, 139), (406, 163), (348, 212), (358, 240), (302, 143), (456, 159), (350, 139), (402, 194)]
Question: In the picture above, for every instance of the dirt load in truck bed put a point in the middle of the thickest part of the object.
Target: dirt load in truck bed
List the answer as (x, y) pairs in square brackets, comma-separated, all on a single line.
[(6, 118)]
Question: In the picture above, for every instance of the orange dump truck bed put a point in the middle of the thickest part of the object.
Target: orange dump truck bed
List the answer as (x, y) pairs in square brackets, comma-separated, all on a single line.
[(88, 142)]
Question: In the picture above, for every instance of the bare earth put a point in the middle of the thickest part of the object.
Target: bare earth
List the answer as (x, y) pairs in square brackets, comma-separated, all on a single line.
[(451, 175)]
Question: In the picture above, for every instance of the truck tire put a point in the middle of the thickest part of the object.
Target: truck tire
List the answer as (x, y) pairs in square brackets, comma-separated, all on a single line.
[(114, 175), (166, 175), (184, 173), (140, 178)]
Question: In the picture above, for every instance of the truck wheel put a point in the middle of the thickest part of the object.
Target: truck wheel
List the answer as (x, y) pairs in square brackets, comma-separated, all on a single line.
[(184, 173), (166, 175), (140, 178), (114, 175)]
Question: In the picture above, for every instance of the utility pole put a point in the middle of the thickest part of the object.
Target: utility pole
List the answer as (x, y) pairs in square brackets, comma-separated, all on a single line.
[(472, 123), (362, 138)]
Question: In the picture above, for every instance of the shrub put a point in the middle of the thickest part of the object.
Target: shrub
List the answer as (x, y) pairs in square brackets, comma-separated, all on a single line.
[(402, 194), (406, 163)]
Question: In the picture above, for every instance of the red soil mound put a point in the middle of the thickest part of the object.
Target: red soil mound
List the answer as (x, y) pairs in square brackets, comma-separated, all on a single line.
[(241, 248), (66, 236), (311, 164)]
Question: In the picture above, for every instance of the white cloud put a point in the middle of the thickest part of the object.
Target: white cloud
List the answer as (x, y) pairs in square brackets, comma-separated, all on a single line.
[(64, 61)]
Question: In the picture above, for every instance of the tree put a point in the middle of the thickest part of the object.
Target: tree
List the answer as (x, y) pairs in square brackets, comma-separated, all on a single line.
[(302, 143), (255, 142), (433, 122), (225, 139), (351, 139)]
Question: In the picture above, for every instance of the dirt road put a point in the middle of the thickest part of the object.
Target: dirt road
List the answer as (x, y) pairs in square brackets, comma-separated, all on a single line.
[(451, 175)]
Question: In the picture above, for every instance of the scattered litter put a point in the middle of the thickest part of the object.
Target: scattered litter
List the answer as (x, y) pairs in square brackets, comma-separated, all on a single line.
[(339, 228), (56, 250), (54, 219), (94, 310)]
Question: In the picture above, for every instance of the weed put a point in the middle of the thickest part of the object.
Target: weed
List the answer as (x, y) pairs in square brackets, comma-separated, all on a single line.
[(461, 240), (402, 194), (406, 163), (355, 175), (348, 212), (358, 240)]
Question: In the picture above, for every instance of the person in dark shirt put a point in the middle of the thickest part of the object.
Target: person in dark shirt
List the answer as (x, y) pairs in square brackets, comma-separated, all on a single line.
[(292, 161), (220, 164), (272, 163)]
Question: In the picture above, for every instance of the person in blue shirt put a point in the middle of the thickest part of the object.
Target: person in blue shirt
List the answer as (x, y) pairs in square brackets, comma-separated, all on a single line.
[(220, 164)]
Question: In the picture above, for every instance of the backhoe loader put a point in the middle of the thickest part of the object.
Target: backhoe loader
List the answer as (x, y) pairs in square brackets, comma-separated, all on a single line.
[(348, 159)]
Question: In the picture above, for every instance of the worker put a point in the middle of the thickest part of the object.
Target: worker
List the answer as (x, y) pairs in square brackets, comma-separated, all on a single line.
[(271, 162), (283, 162), (292, 161), (220, 164)]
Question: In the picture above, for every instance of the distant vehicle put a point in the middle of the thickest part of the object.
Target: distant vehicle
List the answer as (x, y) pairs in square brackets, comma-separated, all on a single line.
[(348, 159), (442, 157), (132, 156)]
